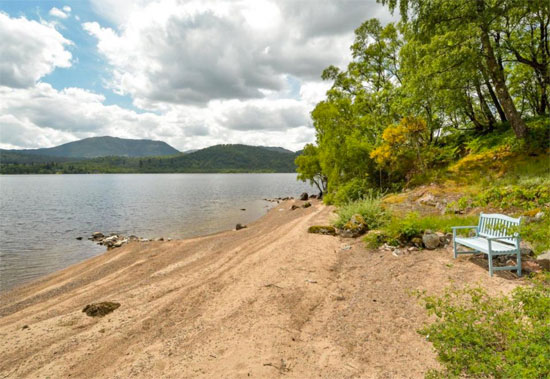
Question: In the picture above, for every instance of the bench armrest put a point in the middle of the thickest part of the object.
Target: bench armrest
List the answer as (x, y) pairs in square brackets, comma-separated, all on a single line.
[(455, 228)]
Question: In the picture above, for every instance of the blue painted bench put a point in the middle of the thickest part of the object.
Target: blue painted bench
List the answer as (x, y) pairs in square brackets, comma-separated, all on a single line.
[(493, 237)]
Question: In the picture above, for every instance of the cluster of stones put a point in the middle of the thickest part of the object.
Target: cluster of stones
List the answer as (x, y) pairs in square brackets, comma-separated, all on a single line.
[(279, 199), (430, 240), (355, 227), (116, 240), (307, 204)]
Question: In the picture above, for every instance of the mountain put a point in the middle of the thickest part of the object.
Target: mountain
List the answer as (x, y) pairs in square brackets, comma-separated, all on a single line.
[(105, 146), (278, 149), (219, 158)]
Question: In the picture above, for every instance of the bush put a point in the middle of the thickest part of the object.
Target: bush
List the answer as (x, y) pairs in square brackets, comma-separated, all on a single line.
[(354, 190), (370, 208), (527, 193), (537, 233), (476, 335), (402, 229)]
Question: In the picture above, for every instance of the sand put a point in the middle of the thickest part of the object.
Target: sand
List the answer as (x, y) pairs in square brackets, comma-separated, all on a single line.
[(267, 301)]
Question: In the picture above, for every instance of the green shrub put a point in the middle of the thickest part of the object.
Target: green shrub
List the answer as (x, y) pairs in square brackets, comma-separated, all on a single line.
[(526, 193), (476, 335), (370, 208), (354, 190), (537, 233), (402, 229)]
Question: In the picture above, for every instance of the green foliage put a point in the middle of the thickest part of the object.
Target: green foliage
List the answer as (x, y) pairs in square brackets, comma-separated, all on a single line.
[(476, 335), (403, 229), (432, 89), (309, 168), (526, 194), (399, 230), (353, 190), (370, 208), (537, 233)]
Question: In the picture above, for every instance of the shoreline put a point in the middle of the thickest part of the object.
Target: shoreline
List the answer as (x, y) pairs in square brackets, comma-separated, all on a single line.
[(270, 204), (263, 301)]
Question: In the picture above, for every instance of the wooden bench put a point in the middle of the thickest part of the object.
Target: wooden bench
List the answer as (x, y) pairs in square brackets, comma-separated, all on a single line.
[(494, 236)]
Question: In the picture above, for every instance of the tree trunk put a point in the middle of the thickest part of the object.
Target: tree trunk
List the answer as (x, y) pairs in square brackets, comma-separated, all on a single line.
[(490, 118), (497, 75), (500, 111)]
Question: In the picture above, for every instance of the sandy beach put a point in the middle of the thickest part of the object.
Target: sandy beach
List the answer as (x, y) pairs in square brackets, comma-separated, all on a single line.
[(266, 301)]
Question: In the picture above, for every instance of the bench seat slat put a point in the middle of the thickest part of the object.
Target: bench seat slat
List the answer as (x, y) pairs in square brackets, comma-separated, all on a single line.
[(482, 244)]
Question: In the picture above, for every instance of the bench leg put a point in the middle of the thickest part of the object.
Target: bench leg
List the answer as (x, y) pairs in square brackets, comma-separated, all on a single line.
[(454, 248), (490, 257), (518, 260)]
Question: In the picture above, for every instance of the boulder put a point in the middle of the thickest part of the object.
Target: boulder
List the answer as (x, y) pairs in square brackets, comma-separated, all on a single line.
[(417, 241), (527, 252), (307, 204), (100, 309), (544, 260), (79, 238), (293, 207), (110, 239), (539, 216), (304, 196), (321, 229), (428, 199), (531, 266), (355, 227), (98, 235), (431, 240), (119, 243), (313, 196), (240, 226), (442, 238)]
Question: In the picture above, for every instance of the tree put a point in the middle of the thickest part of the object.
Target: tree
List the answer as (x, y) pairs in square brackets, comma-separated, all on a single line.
[(309, 168), (483, 21)]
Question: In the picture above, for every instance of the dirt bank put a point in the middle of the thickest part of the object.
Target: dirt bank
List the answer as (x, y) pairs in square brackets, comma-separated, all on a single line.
[(264, 301)]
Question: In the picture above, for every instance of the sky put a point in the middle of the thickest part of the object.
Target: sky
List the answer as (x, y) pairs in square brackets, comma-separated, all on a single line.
[(190, 73)]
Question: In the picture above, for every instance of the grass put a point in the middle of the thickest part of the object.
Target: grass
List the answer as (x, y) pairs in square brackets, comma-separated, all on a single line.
[(369, 207)]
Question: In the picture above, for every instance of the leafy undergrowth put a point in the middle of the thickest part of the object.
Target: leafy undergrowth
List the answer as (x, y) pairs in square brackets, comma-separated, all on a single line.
[(369, 207), (401, 230), (476, 335)]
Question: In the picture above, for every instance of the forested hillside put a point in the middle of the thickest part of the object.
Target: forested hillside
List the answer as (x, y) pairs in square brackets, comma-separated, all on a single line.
[(419, 93), (219, 158), (104, 146)]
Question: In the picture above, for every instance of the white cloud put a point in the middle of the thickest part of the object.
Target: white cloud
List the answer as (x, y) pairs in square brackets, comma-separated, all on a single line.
[(191, 52), (42, 116), (30, 50), (206, 71), (56, 12)]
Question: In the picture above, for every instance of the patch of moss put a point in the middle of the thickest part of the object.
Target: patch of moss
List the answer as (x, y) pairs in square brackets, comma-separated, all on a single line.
[(100, 309), (322, 229)]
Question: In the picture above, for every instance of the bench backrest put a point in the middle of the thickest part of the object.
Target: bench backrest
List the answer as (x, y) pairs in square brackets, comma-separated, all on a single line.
[(497, 225)]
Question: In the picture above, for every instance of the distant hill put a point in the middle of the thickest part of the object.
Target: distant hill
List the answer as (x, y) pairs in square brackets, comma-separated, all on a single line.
[(278, 149), (105, 146), (219, 158)]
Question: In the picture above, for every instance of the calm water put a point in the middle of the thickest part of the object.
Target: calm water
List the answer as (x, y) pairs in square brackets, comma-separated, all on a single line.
[(41, 215)]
